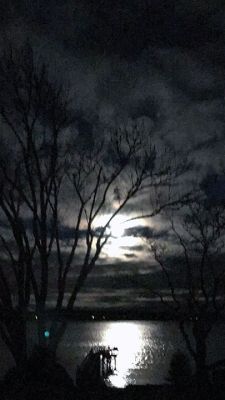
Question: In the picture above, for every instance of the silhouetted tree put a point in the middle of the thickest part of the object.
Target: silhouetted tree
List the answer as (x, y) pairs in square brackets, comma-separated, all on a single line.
[(180, 370), (197, 268), (47, 167)]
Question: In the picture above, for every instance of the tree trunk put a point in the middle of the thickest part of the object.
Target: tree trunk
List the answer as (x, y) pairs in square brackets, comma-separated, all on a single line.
[(18, 335), (51, 332), (57, 331), (201, 370), (199, 354), (42, 328), (202, 377), (20, 355)]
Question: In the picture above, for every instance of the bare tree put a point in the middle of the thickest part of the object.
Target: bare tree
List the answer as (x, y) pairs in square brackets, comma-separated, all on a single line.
[(51, 169), (33, 112), (194, 276)]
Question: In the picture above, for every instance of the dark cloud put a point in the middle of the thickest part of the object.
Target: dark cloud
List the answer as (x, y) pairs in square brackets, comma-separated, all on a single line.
[(67, 232), (214, 187), (145, 232), (132, 26), (133, 248), (130, 255), (159, 59)]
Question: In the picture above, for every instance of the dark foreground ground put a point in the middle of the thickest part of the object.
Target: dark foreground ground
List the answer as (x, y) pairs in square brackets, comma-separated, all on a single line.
[(42, 391), (42, 378)]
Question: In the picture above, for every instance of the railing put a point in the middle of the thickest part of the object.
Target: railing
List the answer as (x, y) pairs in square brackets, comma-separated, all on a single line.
[(99, 359)]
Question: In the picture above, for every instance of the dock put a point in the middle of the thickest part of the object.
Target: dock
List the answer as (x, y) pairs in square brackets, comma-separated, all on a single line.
[(99, 363)]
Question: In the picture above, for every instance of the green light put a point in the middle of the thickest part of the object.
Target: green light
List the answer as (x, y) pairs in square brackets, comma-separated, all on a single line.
[(47, 334)]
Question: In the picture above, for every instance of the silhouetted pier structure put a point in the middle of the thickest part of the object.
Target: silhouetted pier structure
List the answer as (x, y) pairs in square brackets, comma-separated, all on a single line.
[(99, 363)]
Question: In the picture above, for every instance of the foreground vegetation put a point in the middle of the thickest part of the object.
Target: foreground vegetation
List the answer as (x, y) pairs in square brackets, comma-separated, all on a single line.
[(44, 378)]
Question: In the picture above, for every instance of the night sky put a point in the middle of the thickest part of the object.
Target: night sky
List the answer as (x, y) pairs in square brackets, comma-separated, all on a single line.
[(159, 61)]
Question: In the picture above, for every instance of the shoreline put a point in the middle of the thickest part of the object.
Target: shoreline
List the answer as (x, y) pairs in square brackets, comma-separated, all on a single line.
[(116, 314)]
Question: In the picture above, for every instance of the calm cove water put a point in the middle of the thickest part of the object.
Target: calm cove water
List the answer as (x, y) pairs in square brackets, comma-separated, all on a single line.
[(145, 348)]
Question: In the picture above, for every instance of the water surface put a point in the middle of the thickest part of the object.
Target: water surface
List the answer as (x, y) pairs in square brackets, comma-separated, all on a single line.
[(145, 348)]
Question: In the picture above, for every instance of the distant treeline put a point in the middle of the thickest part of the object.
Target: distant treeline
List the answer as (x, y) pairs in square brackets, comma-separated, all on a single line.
[(115, 314)]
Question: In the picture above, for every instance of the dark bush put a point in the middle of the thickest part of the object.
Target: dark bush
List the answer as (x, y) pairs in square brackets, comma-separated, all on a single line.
[(180, 370), (43, 378)]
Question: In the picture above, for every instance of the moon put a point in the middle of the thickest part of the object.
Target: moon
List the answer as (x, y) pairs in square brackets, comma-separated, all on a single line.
[(119, 241), (117, 227)]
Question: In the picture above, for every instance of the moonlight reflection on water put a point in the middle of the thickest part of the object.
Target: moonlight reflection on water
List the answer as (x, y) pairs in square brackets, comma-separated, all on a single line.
[(129, 339), (144, 348)]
